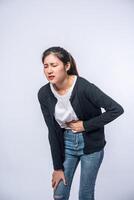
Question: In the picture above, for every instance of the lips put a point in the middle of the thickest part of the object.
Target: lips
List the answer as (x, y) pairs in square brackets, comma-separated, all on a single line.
[(51, 77)]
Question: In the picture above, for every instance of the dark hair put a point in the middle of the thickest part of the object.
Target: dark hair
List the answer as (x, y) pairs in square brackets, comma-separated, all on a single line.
[(64, 56)]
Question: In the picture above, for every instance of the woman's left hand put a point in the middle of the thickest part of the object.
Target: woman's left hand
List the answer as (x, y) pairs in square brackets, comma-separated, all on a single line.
[(76, 125)]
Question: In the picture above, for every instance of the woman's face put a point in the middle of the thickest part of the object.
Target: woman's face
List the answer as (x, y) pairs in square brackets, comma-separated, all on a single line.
[(54, 69)]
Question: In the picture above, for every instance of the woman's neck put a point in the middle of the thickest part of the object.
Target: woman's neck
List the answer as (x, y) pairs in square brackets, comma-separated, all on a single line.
[(66, 84)]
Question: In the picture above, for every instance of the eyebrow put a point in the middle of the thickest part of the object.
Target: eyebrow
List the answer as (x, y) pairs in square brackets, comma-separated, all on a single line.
[(50, 63)]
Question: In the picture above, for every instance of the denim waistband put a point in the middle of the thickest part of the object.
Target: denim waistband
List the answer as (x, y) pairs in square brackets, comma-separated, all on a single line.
[(70, 131)]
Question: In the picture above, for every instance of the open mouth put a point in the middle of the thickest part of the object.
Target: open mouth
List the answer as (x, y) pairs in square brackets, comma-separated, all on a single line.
[(51, 77)]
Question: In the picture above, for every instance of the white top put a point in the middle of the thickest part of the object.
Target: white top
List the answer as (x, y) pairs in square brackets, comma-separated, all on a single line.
[(63, 109)]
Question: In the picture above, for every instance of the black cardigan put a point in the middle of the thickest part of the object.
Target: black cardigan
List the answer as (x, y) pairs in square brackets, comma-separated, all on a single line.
[(87, 100)]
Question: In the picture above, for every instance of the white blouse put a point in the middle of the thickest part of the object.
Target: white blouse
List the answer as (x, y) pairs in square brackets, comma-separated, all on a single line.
[(63, 109)]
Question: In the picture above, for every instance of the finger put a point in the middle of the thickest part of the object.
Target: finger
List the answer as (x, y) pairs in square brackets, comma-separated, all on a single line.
[(64, 180), (53, 183), (55, 186)]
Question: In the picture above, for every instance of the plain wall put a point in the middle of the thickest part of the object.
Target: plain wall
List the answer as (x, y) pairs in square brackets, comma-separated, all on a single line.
[(100, 36)]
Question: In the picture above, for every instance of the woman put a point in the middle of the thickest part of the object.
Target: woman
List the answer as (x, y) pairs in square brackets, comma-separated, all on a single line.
[(71, 106)]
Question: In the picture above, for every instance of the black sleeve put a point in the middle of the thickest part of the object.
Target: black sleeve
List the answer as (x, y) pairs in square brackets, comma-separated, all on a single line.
[(53, 140), (101, 100)]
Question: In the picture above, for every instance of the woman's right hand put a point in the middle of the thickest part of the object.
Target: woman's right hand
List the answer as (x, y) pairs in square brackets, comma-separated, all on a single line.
[(56, 177)]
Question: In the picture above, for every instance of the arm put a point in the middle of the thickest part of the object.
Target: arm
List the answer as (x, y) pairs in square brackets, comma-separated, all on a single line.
[(53, 141), (100, 99)]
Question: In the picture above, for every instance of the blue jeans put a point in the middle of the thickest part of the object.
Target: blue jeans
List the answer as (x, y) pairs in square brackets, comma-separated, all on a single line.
[(90, 164)]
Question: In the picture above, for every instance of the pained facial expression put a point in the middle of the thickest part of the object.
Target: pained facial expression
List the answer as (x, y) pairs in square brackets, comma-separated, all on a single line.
[(54, 69)]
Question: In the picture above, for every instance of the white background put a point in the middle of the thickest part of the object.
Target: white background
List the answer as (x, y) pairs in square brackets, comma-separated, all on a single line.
[(100, 36)]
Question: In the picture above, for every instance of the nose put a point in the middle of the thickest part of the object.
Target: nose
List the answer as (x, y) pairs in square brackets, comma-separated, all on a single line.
[(49, 70)]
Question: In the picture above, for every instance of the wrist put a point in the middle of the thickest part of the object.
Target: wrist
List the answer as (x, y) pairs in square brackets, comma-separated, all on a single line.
[(58, 170)]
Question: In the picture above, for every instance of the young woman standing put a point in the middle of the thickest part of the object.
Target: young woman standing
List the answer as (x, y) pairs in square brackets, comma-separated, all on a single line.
[(71, 106)]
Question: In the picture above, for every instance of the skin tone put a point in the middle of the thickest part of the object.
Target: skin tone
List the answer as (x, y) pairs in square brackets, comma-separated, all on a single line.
[(62, 82)]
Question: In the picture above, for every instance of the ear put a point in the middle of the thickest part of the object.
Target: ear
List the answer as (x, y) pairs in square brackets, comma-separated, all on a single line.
[(67, 66)]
